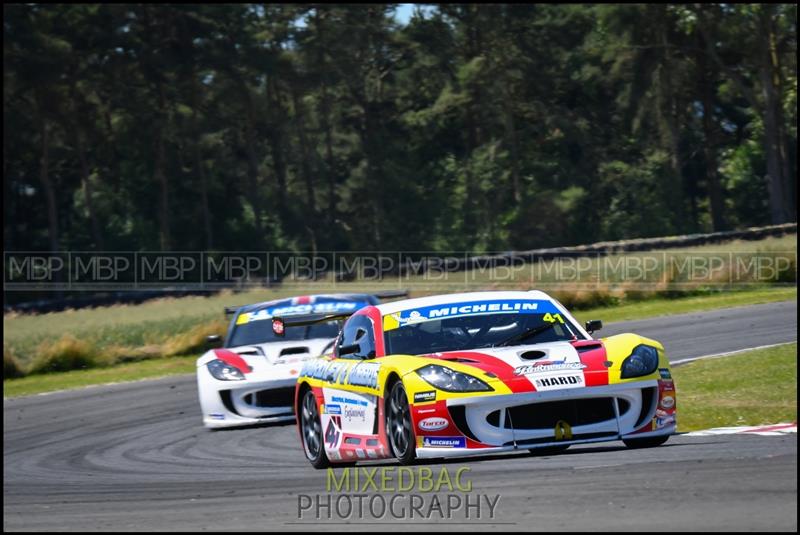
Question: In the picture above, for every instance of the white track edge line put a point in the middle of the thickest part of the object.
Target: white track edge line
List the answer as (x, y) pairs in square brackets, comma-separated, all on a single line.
[(727, 353)]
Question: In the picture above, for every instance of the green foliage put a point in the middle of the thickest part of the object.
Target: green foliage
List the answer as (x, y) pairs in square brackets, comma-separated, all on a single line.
[(12, 368), (335, 127), (637, 198)]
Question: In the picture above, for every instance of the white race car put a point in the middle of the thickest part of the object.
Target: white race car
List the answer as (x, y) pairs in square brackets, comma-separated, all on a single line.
[(251, 379)]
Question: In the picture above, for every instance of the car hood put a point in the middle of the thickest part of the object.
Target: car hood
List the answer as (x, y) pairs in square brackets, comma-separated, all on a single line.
[(545, 366), (273, 360)]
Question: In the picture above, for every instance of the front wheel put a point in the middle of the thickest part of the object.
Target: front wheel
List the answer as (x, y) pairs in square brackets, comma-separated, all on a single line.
[(649, 442), (398, 424), (311, 431)]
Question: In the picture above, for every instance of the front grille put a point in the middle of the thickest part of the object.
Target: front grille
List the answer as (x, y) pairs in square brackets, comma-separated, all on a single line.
[(278, 397), (545, 440), (547, 414)]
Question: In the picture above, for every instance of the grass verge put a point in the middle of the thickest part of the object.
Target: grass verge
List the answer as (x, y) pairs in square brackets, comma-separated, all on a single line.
[(134, 371), (682, 305), (753, 388)]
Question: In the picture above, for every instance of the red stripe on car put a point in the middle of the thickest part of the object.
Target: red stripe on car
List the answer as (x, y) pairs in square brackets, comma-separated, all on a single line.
[(596, 372), (232, 359), (492, 365)]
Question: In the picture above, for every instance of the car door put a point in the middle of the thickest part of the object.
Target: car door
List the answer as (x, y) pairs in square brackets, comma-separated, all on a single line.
[(351, 393)]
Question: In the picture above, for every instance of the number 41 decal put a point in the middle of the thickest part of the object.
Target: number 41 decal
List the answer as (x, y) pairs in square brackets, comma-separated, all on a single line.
[(552, 318)]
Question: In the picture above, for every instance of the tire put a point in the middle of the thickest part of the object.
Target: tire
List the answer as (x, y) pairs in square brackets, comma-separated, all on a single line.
[(549, 450), (311, 431), (650, 442), (399, 431)]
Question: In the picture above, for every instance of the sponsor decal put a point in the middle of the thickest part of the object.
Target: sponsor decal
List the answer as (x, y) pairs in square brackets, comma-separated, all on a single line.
[(562, 430), (351, 401), (355, 413), (217, 416), (336, 372), (510, 306), (548, 366), (425, 396), (667, 402), (444, 442), (332, 408), (559, 381), (663, 422), (307, 308), (664, 373), (433, 424), (364, 374), (332, 434)]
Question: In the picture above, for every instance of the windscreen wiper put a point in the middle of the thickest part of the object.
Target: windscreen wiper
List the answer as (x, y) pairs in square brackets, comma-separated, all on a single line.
[(527, 333)]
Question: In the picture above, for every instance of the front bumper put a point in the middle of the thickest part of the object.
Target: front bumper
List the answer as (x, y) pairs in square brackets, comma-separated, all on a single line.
[(237, 403), (497, 423)]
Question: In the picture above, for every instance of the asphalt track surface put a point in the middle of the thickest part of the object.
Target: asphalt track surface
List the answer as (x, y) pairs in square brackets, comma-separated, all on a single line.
[(136, 457)]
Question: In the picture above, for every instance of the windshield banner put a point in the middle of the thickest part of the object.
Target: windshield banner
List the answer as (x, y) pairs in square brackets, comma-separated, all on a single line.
[(470, 308), (330, 307)]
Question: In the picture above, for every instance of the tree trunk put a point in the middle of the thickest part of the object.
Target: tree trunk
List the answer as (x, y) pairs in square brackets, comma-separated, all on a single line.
[(252, 174), (159, 174), (86, 184), (305, 169), (47, 184), (671, 114), (773, 119), (330, 170), (511, 132), (201, 173), (254, 197), (770, 110), (86, 187), (716, 203), (276, 147)]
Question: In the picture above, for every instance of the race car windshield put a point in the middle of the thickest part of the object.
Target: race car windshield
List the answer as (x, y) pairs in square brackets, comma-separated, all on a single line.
[(478, 331), (260, 332)]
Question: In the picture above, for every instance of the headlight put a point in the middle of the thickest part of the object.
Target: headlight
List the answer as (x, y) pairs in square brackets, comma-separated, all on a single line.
[(451, 380), (643, 361), (224, 372)]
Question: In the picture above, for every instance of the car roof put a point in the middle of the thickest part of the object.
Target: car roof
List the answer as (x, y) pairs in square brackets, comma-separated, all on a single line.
[(405, 304)]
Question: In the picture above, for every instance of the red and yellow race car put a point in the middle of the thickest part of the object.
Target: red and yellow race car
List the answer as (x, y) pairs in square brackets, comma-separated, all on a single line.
[(477, 373)]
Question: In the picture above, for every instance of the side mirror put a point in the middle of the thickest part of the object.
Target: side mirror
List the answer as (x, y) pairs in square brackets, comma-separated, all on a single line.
[(214, 340), (349, 349), (594, 325)]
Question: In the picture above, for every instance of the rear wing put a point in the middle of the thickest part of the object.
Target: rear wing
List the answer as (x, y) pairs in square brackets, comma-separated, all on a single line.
[(391, 294), (279, 324), (387, 294)]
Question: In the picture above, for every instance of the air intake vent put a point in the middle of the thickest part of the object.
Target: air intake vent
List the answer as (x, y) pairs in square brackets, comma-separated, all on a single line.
[(301, 350), (590, 347), (648, 399), (532, 355), (458, 414)]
